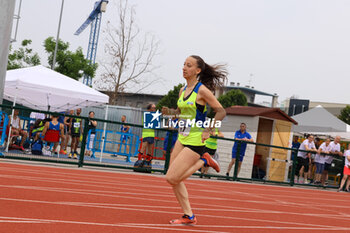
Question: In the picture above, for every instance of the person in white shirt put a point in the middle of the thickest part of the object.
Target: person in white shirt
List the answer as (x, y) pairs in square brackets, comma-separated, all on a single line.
[(320, 159), (346, 172), (335, 150), (304, 157), (16, 128)]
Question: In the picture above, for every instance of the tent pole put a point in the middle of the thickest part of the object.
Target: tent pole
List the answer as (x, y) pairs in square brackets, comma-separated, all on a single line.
[(104, 134), (13, 111)]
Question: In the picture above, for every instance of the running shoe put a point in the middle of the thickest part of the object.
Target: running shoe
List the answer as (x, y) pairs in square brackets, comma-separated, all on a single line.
[(211, 162), (184, 220), (75, 155), (62, 152), (70, 155)]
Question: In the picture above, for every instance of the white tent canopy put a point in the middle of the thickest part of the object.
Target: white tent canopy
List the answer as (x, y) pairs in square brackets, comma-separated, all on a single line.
[(321, 122), (41, 88)]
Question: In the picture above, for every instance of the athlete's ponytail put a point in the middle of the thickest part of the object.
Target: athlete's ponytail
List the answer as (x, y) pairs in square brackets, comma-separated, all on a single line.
[(211, 76)]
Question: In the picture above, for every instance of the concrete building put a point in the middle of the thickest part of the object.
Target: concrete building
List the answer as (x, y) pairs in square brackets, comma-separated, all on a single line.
[(250, 92), (296, 106), (136, 100)]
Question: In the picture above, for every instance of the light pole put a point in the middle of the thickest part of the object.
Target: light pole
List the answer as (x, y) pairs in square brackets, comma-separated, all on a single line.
[(7, 9), (57, 38)]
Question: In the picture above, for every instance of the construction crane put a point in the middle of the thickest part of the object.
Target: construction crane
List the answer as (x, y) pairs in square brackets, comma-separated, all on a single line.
[(95, 20)]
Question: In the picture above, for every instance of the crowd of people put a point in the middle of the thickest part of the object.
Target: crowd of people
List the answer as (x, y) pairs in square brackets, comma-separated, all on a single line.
[(314, 159), (56, 129)]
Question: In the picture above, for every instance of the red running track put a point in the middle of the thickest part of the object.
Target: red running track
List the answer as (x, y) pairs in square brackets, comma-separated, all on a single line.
[(37, 198)]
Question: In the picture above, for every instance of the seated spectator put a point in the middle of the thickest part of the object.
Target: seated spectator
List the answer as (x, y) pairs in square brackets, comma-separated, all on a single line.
[(16, 129), (36, 116), (54, 125), (346, 171), (320, 159), (38, 128)]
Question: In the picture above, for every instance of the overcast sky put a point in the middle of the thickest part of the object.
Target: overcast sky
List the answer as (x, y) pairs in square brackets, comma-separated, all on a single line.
[(289, 47)]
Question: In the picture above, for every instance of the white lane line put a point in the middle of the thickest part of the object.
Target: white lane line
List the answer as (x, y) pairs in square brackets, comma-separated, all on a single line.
[(289, 190), (168, 212), (229, 192), (168, 194), (110, 205), (302, 205), (254, 227), (151, 193), (167, 227)]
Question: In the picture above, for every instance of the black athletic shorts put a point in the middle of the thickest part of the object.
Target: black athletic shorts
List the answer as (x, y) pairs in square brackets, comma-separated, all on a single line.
[(327, 166), (303, 162), (210, 151), (198, 149), (75, 135)]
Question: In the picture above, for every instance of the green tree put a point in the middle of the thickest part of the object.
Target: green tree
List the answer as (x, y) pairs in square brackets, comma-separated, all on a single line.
[(22, 57), (233, 97), (345, 114), (72, 64), (170, 99)]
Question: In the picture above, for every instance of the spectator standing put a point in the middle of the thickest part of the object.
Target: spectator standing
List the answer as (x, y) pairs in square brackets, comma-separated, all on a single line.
[(304, 158), (312, 167), (335, 151), (75, 129), (295, 145), (123, 138), (320, 159), (92, 128), (346, 171), (242, 135), (67, 123), (148, 137)]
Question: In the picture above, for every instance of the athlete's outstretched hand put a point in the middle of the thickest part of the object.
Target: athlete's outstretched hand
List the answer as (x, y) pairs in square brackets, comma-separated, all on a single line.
[(205, 135)]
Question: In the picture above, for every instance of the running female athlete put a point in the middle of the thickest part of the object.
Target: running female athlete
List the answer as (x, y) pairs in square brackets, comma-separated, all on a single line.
[(188, 154)]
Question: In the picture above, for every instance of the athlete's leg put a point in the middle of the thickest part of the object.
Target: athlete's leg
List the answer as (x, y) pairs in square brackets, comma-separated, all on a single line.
[(348, 184), (150, 149), (186, 160), (345, 177), (143, 148), (239, 167), (233, 160)]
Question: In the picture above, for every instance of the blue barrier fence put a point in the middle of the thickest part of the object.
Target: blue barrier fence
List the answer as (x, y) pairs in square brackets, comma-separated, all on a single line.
[(4, 120), (112, 141)]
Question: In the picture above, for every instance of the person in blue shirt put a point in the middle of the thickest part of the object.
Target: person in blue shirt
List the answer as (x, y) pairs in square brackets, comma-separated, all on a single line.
[(295, 145), (243, 135)]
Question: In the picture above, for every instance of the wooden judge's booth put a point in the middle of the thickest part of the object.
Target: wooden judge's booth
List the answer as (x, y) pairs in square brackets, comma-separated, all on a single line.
[(269, 126)]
